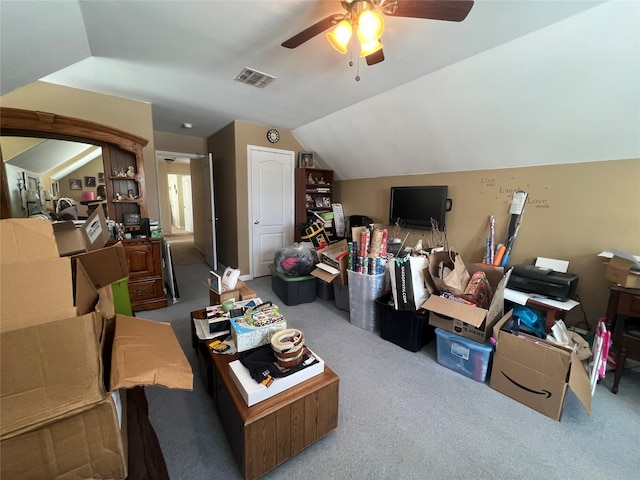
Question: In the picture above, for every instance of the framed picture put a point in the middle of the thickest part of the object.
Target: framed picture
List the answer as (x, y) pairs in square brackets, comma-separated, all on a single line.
[(326, 202), (100, 177), (319, 202), (305, 160), (89, 181), (32, 183), (75, 184)]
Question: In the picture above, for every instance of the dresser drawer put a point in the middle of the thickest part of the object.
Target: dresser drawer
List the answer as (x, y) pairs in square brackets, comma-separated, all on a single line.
[(629, 304), (149, 289)]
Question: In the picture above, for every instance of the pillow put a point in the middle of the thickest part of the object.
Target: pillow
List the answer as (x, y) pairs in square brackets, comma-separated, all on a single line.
[(69, 213)]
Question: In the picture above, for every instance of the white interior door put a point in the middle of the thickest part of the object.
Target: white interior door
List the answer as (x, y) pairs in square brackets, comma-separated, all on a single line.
[(188, 204), (211, 249), (271, 201)]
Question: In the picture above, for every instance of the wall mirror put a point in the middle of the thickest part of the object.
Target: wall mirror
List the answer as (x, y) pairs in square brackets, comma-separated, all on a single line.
[(40, 171), (68, 157)]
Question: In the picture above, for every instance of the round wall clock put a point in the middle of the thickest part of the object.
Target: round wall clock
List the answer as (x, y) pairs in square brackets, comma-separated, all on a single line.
[(273, 136)]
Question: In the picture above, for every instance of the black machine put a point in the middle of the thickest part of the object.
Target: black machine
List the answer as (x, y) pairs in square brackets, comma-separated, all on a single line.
[(544, 281)]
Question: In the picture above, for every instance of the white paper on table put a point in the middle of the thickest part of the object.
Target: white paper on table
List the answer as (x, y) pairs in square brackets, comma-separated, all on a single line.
[(555, 265), (521, 299)]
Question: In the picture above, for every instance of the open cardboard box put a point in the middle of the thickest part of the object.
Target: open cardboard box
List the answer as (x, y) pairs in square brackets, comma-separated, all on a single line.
[(336, 256), (623, 268), (467, 320), (537, 373), (55, 355), (241, 292), (93, 234)]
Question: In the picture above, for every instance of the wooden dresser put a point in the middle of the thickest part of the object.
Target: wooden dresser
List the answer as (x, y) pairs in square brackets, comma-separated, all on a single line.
[(146, 285)]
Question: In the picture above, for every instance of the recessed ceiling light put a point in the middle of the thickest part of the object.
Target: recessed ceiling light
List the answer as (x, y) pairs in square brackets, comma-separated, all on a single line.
[(187, 125)]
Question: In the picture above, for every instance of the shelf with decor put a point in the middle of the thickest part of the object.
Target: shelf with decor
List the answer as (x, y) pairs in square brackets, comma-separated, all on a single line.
[(313, 195), (125, 185)]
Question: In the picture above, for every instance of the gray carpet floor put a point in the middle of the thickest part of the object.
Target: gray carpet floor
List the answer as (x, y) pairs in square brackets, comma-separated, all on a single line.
[(402, 415)]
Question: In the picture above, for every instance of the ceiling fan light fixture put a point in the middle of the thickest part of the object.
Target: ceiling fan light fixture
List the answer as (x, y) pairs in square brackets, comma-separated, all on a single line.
[(370, 27), (339, 37)]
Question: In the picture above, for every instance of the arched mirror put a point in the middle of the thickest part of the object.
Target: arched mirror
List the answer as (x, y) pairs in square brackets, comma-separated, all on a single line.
[(48, 157)]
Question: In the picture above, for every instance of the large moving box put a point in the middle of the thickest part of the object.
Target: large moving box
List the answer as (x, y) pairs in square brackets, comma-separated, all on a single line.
[(537, 373), (59, 360), (90, 444)]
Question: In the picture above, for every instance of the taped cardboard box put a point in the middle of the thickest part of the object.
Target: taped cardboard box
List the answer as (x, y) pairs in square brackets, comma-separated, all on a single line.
[(467, 320), (336, 256), (537, 373), (88, 444)]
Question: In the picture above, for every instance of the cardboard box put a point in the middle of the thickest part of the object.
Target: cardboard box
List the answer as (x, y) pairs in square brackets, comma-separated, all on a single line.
[(241, 292), (624, 269), (336, 255), (247, 337), (93, 234), (55, 356), (88, 444), (254, 392), (537, 373), (58, 367), (467, 320)]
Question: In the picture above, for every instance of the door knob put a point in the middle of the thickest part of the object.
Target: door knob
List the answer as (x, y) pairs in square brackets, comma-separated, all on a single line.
[(256, 222)]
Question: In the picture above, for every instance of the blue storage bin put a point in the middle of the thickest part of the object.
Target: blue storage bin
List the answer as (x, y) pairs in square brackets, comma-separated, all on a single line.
[(467, 357)]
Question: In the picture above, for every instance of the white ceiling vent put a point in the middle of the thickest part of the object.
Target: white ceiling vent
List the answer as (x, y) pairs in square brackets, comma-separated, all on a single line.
[(255, 78)]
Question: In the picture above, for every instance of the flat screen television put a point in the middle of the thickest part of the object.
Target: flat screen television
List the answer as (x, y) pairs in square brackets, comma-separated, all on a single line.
[(414, 207)]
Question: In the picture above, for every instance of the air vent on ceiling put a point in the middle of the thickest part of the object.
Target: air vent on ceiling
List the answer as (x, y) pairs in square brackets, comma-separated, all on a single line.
[(255, 78)]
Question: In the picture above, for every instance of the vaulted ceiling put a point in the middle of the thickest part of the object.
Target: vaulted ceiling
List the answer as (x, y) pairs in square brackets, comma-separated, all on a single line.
[(516, 83)]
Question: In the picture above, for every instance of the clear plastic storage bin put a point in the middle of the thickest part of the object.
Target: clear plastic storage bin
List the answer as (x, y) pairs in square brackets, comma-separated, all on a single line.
[(467, 357), (363, 291)]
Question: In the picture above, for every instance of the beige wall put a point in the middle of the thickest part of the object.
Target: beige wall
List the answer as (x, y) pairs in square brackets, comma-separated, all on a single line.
[(573, 212), (127, 115), (229, 148)]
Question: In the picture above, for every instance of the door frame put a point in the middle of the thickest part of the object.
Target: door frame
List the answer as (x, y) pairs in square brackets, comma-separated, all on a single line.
[(292, 156)]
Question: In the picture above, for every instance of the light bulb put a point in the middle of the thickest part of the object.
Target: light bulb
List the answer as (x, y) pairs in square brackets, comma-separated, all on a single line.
[(369, 48), (339, 37), (370, 26)]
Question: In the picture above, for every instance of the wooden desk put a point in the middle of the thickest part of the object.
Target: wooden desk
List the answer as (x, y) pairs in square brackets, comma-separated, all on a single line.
[(622, 301)]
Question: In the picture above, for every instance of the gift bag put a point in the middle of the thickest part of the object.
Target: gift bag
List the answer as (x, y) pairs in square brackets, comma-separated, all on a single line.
[(447, 273), (408, 286)]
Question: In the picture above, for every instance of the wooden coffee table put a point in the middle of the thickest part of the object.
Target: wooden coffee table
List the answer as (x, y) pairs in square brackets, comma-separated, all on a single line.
[(270, 432)]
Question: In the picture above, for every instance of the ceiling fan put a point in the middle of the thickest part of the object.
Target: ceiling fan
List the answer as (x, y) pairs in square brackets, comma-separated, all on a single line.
[(365, 16)]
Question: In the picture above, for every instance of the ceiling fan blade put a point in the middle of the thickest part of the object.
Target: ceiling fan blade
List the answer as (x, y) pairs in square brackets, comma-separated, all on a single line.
[(449, 10), (313, 30), (374, 58)]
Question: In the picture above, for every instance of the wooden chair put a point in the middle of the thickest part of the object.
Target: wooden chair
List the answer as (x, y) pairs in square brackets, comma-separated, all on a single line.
[(626, 341)]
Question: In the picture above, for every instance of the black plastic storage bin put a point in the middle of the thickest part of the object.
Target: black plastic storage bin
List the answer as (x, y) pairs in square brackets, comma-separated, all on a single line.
[(341, 296), (408, 329), (293, 290), (324, 290)]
